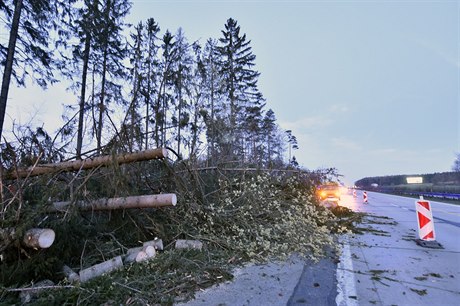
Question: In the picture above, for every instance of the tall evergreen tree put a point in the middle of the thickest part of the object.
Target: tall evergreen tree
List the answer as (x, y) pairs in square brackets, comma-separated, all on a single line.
[(197, 85), (182, 69), (110, 48), (209, 67), (150, 72), (292, 143), (30, 23), (132, 122), (269, 129), (240, 80), (164, 98), (82, 26)]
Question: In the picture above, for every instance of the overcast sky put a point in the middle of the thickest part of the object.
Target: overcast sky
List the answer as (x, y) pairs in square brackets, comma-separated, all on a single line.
[(368, 87)]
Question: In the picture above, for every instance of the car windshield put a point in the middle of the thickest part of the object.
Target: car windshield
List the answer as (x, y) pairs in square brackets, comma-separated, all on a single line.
[(329, 187)]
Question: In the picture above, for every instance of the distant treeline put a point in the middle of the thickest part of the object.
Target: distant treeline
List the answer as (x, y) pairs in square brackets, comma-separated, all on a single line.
[(429, 180)]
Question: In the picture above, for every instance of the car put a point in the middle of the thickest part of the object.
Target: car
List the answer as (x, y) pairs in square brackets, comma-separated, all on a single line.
[(328, 192)]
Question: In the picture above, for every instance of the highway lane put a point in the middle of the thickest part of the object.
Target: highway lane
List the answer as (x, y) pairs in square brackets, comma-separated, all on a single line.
[(384, 265)]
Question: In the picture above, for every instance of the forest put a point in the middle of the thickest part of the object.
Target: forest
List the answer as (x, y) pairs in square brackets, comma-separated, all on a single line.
[(192, 181), (200, 99), (443, 182)]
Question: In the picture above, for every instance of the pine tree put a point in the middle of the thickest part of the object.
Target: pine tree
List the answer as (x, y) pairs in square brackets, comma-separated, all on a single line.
[(81, 25), (110, 48), (239, 80), (181, 79), (164, 99), (197, 85), (292, 143), (132, 121), (209, 67), (269, 128), (28, 51), (150, 72)]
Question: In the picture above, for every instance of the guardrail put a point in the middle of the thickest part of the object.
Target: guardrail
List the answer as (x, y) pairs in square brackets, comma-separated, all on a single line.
[(439, 195), (428, 194)]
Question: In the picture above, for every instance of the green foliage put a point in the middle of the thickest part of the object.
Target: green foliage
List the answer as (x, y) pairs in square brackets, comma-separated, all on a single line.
[(261, 216), (239, 215)]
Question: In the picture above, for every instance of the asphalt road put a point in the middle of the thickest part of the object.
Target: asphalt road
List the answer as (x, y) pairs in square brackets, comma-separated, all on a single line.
[(381, 266), (385, 266)]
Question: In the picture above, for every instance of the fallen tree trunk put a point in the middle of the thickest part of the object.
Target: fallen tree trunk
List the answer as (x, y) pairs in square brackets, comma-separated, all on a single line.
[(144, 201), (99, 269), (189, 244), (89, 163)]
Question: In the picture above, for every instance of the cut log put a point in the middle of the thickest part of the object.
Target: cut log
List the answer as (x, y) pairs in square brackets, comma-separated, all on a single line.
[(39, 238), (29, 293), (70, 274), (89, 163), (145, 201), (189, 244), (156, 243), (140, 254), (99, 269)]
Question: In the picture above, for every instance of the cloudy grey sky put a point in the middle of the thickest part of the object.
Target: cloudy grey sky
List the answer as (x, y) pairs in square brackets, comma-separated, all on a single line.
[(368, 87)]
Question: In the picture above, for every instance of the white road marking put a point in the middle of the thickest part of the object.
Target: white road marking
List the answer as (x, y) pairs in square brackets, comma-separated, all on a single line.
[(346, 278)]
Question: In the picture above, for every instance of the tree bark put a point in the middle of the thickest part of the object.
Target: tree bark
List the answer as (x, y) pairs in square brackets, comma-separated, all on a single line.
[(9, 62), (99, 269), (104, 80), (89, 163), (189, 244), (145, 201), (83, 94)]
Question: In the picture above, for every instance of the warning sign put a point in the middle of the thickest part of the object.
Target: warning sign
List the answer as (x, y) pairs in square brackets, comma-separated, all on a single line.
[(425, 220)]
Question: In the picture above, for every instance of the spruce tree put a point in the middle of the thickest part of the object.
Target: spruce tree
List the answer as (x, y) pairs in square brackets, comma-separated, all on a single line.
[(30, 23), (150, 72), (131, 123), (269, 129), (81, 26), (209, 67), (182, 69), (239, 82), (164, 98), (111, 50)]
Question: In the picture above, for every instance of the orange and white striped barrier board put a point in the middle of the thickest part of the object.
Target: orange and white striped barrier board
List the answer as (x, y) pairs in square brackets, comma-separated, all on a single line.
[(425, 220), (365, 197)]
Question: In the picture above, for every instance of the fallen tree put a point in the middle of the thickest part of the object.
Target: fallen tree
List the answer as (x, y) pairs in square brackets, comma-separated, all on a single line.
[(144, 201), (76, 165)]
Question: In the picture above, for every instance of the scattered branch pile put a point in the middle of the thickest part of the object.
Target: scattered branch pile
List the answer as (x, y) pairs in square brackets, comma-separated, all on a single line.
[(224, 218)]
